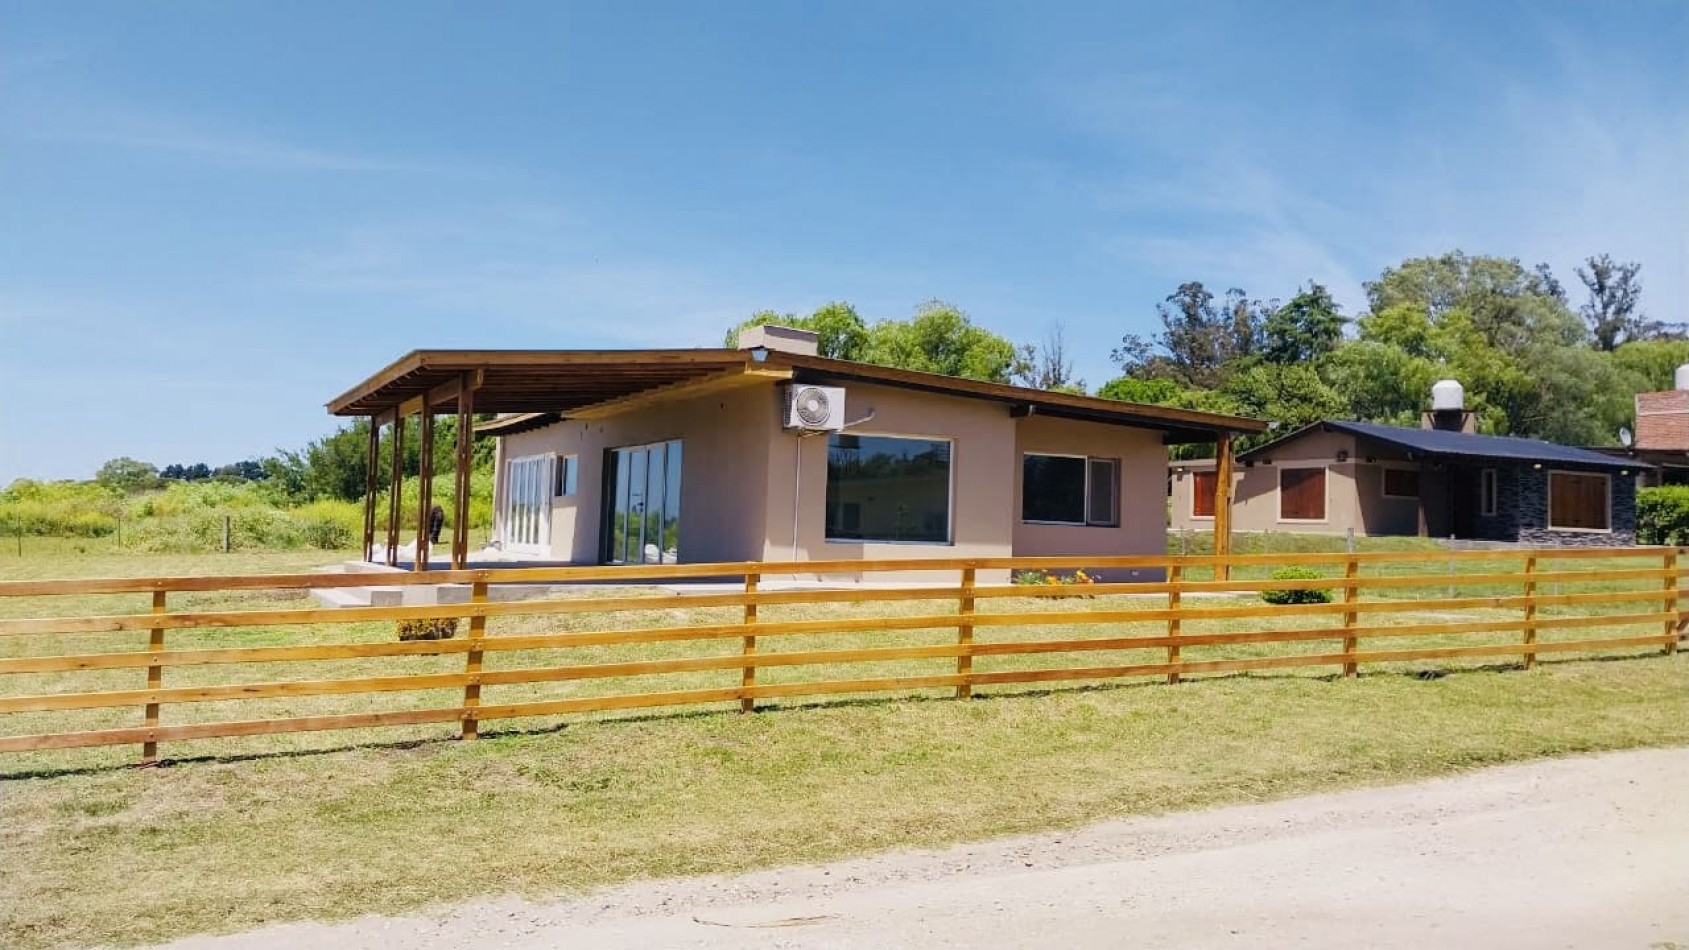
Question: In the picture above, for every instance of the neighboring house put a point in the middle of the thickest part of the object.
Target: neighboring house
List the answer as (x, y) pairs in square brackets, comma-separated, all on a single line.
[(1332, 477), (771, 453), (1661, 441)]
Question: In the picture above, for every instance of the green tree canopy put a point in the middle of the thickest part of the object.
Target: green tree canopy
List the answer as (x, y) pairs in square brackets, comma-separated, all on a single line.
[(941, 339), (127, 475), (842, 335)]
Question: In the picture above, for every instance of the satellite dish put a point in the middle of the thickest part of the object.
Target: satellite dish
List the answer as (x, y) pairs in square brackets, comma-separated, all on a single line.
[(1625, 437)]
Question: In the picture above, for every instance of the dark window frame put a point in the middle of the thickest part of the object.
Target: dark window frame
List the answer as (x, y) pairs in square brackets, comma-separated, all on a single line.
[(1384, 483), (834, 528), (1087, 519)]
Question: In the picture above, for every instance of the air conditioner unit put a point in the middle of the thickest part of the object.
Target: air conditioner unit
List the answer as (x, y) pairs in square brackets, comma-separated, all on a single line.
[(815, 408)]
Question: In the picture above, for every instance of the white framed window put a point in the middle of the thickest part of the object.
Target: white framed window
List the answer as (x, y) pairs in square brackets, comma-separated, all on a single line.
[(1580, 501), (527, 503), (568, 476), (1302, 494), (1488, 495), (1069, 489), (1401, 483), (888, 488)]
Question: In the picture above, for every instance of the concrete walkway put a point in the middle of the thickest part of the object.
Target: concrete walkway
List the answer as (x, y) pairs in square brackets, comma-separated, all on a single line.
[(1584, 852)]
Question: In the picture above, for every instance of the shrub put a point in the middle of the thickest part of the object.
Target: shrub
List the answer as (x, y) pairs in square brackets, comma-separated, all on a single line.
[(1662, 515), (434, 628), (330, 525), (1310, 596)]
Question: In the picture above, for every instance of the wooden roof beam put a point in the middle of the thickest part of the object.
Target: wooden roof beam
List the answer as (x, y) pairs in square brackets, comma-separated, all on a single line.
[(705, 385)]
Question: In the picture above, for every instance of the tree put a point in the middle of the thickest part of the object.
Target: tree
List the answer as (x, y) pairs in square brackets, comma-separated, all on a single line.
[(1046, 365), (1201, 342), (841, 333), (1293, 395), (1305, 329), (127, 475), (1653, 362), (1611, 312), (941, 339), (1150, 392), (1510, 306)]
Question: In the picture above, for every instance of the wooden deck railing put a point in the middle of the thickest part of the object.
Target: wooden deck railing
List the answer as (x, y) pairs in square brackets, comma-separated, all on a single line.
[(186, 643)]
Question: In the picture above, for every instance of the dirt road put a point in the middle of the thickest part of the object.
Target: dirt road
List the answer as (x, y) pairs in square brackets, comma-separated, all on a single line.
[(1585, 852)]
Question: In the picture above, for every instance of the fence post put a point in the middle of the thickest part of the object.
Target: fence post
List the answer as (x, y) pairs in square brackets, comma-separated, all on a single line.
[(1175, 576), (1673, 595), (472, 659), (1349, 541), (748, 678), (1530, 609), (226, 534), (965, 634), (1351, 593), (155, 680)]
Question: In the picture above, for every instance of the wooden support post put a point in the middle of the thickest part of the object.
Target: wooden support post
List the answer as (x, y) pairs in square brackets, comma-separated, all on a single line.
[(1672, 599), (372, 477), (1530, 609), (965, 634), (1223, 506), (748, 649), (424, 484), (155, 679), (460, 484), (1351, 593), (472, 659), (395, 489), (1175, 576)]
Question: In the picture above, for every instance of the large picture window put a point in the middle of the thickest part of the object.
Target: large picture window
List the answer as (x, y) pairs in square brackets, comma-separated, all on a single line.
[(1301, 494), (886, 488), (1578, 501), (1069, 489)]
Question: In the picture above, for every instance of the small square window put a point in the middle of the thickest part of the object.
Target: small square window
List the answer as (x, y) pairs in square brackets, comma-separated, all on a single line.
[(1401, 483)]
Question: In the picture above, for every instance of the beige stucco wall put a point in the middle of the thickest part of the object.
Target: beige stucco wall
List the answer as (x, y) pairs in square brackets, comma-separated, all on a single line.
[(1354, 492), (982, 465), (725, 447), (743, 474), (1141, 492)]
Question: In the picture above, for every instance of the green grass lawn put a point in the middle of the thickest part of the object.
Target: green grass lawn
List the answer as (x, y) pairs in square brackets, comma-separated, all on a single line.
[(236, 833)]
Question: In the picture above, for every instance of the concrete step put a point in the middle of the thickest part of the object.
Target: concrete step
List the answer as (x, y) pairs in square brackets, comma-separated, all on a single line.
[(359, 596)]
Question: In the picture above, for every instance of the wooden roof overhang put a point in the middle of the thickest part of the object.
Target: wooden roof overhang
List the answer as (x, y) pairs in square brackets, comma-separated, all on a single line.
[(535, 388), (530, 382), (1178, 426)]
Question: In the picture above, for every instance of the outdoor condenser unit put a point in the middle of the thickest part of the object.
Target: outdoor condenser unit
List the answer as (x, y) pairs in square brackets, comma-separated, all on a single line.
[(815, 408)]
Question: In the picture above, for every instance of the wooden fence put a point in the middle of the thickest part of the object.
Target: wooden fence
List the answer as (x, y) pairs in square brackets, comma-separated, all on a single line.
[(1402, 597)]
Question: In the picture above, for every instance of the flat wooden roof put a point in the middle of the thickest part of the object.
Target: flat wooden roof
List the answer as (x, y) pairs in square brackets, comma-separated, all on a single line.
[(537, 387)]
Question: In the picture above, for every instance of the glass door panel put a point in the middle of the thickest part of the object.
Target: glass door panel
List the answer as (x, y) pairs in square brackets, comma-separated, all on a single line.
[(642, 513)]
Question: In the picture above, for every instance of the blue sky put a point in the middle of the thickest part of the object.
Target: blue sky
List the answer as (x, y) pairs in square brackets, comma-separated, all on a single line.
[(216, 216)]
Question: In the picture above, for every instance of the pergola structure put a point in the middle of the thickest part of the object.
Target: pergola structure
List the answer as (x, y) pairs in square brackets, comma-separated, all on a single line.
[(533, 388)]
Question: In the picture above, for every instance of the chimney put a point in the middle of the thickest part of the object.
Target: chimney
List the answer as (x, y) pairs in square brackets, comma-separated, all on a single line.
[(1662, 419), (772, 336), (1448, 409)]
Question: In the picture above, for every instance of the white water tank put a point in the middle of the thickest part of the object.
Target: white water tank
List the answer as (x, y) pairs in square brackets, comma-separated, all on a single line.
[(1447, 394), (1680, 380)]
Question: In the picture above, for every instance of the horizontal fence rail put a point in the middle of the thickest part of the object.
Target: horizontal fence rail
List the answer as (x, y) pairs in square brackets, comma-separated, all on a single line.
[(600, 648)]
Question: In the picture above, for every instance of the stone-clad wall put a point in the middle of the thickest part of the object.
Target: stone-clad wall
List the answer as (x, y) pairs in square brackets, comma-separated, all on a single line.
[(1530, 498)]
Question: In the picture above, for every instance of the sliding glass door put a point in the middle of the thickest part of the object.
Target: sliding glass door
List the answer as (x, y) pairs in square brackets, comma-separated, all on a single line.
[(527, 504), (642, 504)]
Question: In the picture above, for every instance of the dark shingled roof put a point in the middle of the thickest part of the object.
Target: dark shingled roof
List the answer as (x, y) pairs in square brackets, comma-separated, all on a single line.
[(1436, 443)]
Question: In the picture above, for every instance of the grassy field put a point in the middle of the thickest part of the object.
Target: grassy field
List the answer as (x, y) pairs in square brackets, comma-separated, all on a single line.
[(240, 832)]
